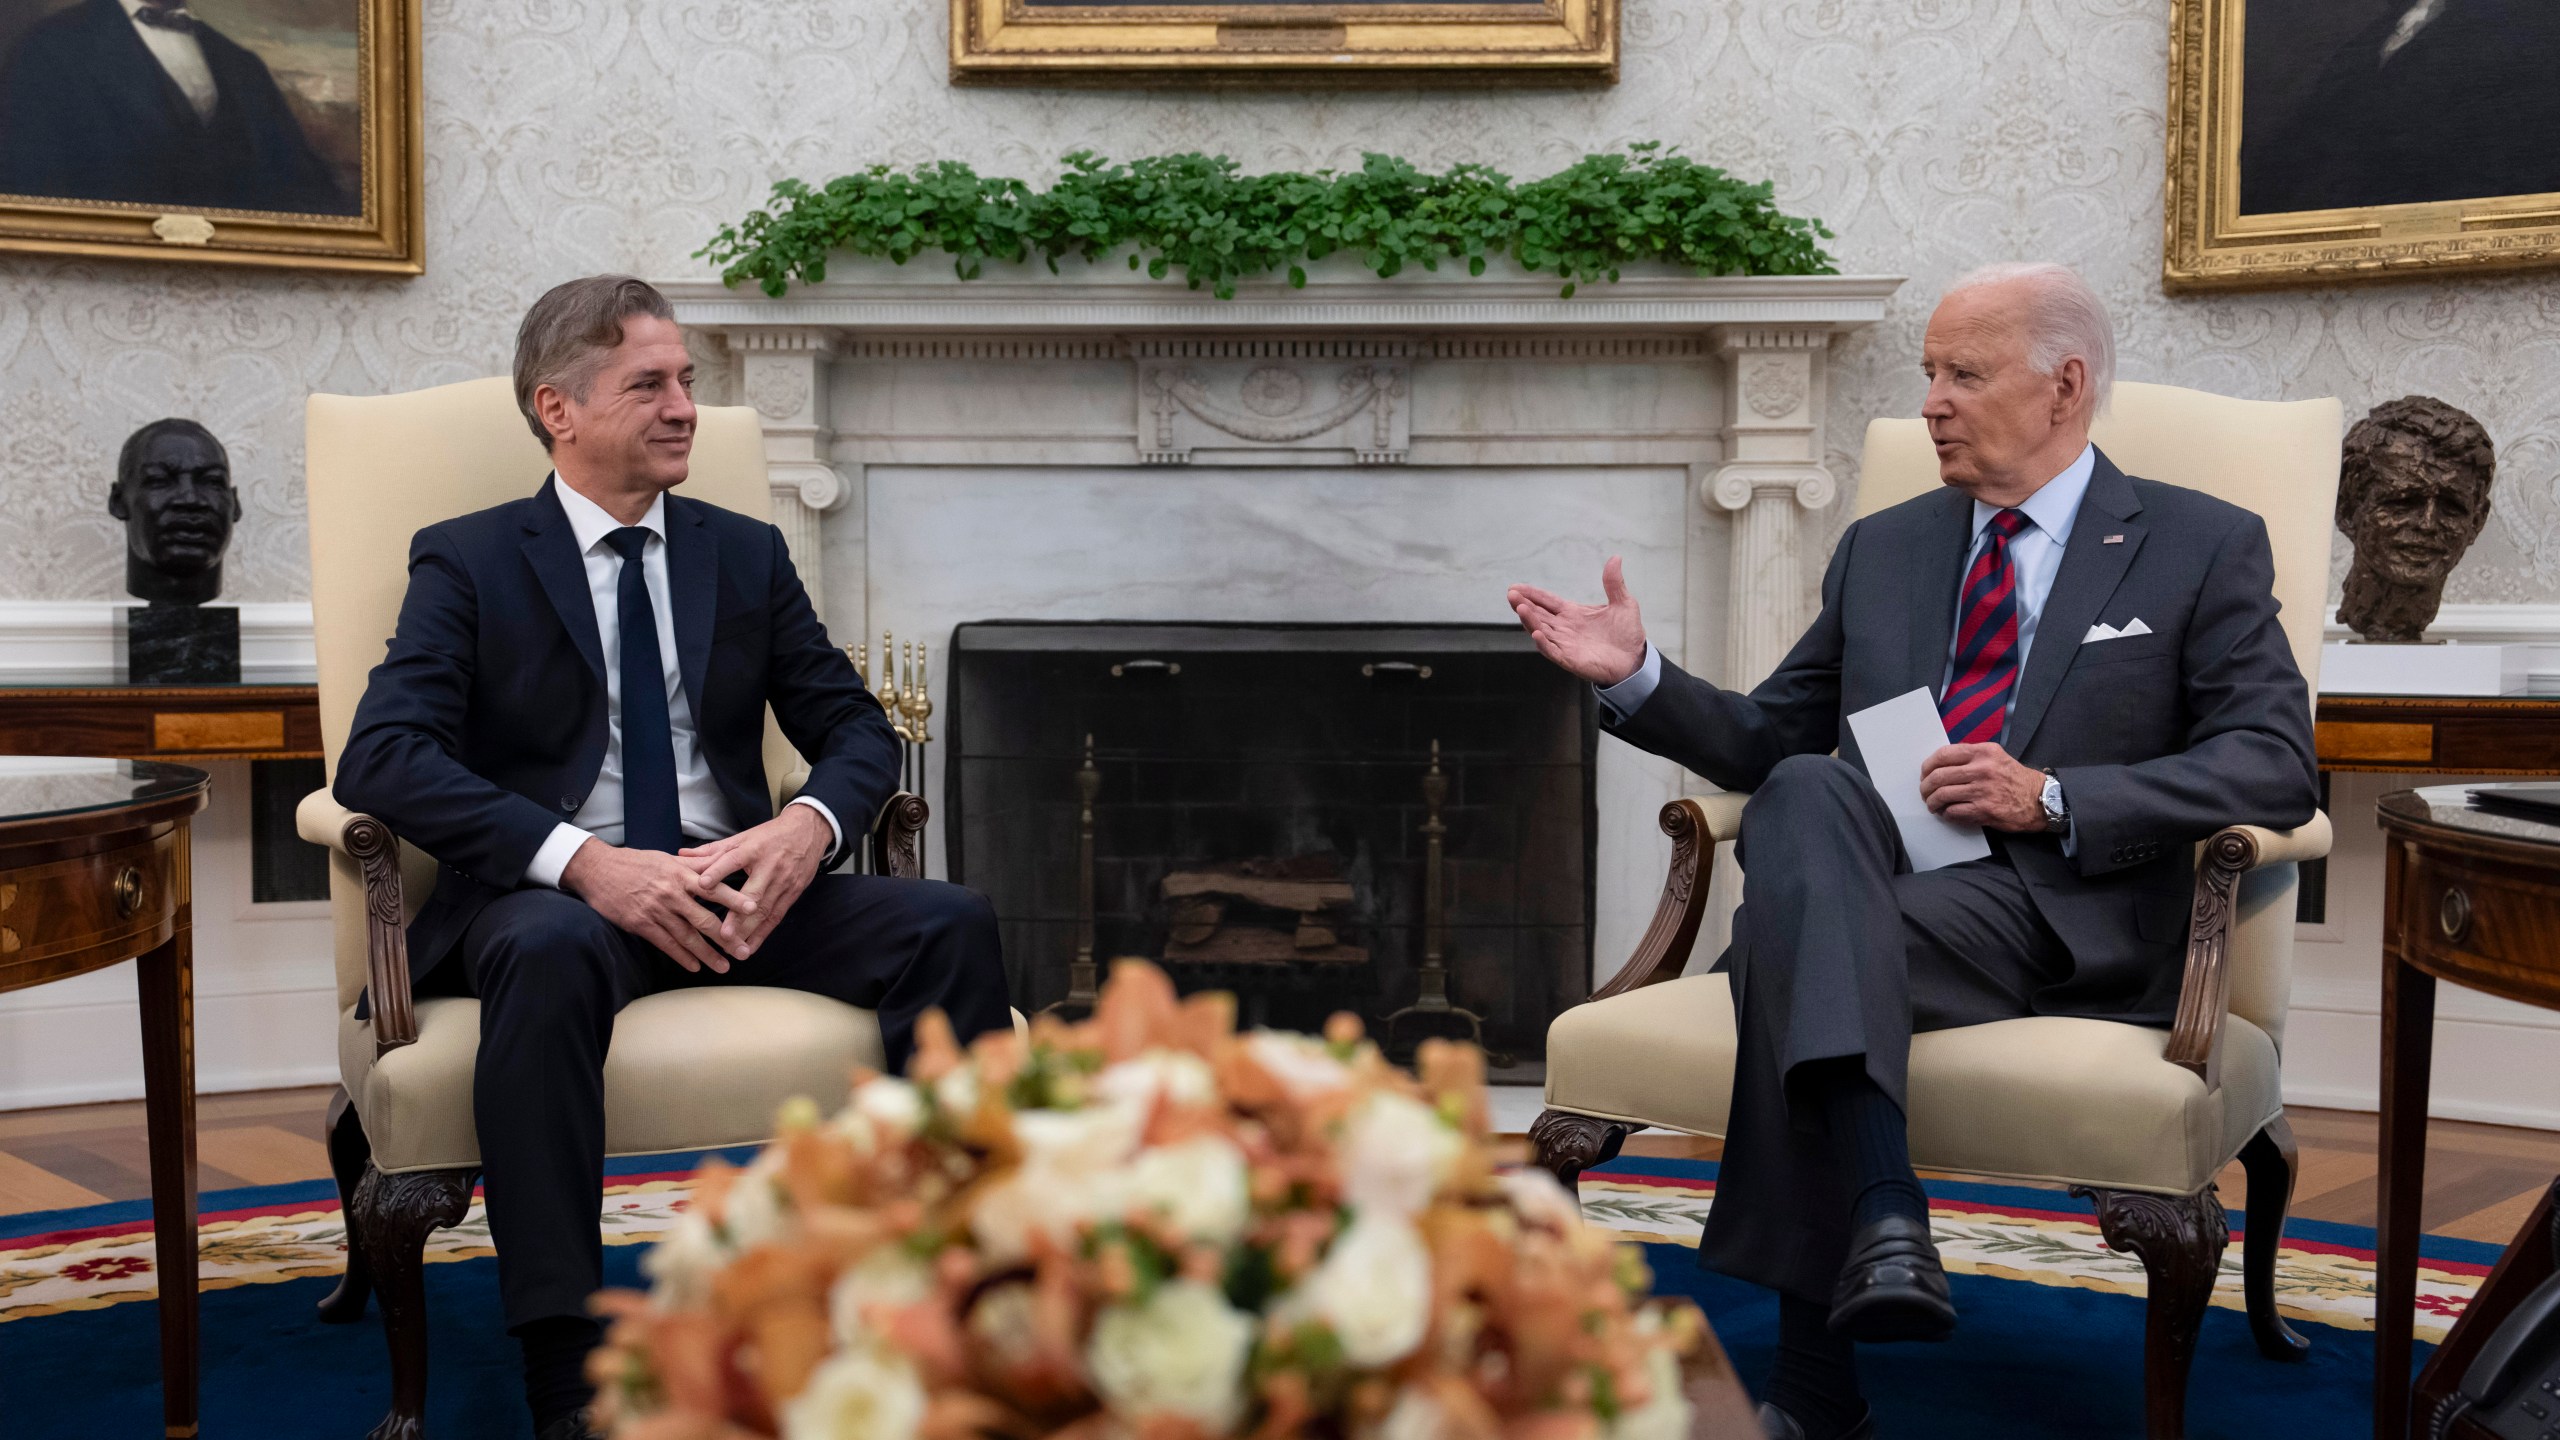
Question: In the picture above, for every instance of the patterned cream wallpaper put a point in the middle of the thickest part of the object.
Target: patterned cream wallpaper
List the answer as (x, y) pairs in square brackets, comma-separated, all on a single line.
[(569, 136)]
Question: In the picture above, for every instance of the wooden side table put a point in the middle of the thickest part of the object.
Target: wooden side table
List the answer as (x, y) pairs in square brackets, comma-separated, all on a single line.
[(2440, 735), (93, 872), (2473, 898), (162, 722)]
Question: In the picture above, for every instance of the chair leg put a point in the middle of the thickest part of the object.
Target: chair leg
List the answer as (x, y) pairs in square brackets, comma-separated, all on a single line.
[(2180, 1239), (349, 1152), (1563, 1143), (2270, 1161), (389, 1224)]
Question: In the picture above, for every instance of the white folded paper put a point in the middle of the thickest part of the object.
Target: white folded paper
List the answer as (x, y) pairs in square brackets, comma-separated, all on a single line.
[(1893, 739)]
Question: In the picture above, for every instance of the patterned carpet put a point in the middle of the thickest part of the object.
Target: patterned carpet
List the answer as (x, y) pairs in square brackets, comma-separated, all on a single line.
[(2030, 1266)]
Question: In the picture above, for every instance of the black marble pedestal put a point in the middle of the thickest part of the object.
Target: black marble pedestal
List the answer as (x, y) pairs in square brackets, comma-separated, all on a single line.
[(182, 645)]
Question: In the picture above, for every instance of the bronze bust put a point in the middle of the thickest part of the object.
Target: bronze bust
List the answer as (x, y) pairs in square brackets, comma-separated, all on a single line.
[(2413, 493), (173, 493)]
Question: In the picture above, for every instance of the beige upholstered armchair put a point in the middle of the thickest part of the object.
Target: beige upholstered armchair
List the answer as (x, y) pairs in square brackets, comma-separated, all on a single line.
[(691, 1069), (2139, 1119)]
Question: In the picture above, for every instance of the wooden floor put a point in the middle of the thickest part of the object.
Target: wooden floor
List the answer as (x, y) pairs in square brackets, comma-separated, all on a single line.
[(2481, 1179)]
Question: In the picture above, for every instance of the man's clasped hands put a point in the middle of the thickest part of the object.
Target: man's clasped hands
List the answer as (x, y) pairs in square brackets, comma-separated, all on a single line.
[(667, 899)]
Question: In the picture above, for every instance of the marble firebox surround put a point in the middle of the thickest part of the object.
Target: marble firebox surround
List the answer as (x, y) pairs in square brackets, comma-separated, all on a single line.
[(1095, 445)]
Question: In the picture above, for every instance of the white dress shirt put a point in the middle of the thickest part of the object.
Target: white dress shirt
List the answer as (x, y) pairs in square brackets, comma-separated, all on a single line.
[(182, 55), (702, 813)]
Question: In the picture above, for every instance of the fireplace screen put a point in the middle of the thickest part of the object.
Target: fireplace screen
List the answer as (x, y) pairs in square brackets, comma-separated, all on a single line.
[(1391, 819)]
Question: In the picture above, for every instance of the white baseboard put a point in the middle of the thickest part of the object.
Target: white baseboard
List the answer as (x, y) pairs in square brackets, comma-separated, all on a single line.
[(2495, 1062), (74, 641), (90, 1051)]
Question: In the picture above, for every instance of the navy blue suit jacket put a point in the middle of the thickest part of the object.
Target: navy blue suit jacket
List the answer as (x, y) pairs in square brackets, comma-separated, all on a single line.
[(87, 113), (484, 727)]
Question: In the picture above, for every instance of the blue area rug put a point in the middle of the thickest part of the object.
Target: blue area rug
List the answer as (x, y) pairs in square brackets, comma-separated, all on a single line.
[(2031, 1359)]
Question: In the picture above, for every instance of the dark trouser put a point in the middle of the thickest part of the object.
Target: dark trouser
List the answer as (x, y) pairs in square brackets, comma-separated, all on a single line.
[(551, 975), (1839, 950)]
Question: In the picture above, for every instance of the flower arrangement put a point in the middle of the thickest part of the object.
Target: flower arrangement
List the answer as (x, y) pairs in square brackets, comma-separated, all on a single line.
[(1144, 1226)]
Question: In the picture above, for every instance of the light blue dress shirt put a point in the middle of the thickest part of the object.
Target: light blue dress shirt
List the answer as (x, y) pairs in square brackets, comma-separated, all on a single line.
[(2035, 553)]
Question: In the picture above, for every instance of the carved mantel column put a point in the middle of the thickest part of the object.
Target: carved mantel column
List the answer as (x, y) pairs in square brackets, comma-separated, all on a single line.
[(783, 374), (1772, 470)]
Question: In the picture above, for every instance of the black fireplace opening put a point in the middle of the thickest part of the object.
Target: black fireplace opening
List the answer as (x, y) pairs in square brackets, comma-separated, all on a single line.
[(1265, 809)]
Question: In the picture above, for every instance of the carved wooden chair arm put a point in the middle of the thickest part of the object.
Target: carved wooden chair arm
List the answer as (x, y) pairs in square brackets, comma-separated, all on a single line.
[(2204, 996), (1695, 823), (368, 842), (897, 837)]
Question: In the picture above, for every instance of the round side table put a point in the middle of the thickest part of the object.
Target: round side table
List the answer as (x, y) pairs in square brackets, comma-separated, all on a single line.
[(93, 872)]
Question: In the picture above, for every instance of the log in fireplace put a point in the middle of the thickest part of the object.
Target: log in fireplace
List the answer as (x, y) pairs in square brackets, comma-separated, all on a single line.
[(1395, 820)]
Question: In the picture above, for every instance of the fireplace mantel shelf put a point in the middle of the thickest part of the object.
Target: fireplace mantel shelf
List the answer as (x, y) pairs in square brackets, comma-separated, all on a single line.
[(924, 297)]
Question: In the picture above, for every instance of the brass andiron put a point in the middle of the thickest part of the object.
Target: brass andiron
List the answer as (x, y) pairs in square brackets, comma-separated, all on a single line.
[(1083, 989), (1433, 998), (904, 692)]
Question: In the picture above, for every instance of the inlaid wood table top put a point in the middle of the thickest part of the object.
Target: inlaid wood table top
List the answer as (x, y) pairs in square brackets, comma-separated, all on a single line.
[(160, 722)]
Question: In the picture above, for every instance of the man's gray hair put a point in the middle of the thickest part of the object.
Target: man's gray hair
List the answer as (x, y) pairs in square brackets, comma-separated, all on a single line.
[(2064, 318), (568, 332)]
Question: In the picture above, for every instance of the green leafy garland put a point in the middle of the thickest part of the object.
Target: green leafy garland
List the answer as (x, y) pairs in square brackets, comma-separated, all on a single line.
[(1202, 216)]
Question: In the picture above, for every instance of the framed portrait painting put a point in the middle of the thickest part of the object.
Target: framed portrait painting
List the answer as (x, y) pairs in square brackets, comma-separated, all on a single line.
[(1288, 42), (2315, 141), (250, 132)]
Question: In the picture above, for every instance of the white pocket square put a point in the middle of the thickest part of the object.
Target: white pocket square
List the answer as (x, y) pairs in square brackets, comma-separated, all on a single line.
[(2104, 631)]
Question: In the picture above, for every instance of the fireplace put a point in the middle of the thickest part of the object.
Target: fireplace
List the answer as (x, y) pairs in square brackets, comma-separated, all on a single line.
[(1263, 809)]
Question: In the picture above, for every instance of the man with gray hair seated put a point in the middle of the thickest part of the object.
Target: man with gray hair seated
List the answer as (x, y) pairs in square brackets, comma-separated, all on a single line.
[(2105, 655)]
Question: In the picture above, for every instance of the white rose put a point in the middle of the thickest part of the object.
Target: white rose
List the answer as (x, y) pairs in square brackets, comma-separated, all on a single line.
[(755, 1208), (1416, 1416), (1537, 1198), (956, 1093), (1300, 1063), (1092, 1140), (1396, 1152), (1043, 1199), (886, 1276), (1182, 1353), (1373, 1290), (891, 1105), (1181, 1078), (1006, 1320), (864, 1393), (1666, 1415), (682, 1264), (1198, 1185)]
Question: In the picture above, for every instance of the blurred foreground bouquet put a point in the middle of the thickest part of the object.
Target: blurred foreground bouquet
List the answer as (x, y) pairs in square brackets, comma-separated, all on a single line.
[(1144, 1227)]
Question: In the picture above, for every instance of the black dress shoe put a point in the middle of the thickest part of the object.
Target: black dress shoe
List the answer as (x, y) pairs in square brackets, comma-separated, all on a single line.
[(576, 1425), (1777, 1424), (1893, 1287)]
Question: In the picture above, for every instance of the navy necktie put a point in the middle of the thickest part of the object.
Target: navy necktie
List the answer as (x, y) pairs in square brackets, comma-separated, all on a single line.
[(651, 819)]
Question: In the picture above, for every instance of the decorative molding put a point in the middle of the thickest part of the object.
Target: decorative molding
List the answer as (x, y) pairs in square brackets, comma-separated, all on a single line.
[(1773, 388), (1176, 407), (779, 392), (1732, 487), (812, 483), (1017, 302), (967, 347), (1269, 347), (1568, 347)]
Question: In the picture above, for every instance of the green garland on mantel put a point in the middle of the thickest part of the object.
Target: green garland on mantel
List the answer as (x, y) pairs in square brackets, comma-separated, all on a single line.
[(1202, 216)]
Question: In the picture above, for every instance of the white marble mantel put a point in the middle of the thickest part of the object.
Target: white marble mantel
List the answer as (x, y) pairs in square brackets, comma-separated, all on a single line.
[(1098, 367)]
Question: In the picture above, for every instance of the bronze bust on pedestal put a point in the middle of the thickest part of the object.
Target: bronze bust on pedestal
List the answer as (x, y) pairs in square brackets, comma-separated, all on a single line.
[(173, 492), (2413, 493)]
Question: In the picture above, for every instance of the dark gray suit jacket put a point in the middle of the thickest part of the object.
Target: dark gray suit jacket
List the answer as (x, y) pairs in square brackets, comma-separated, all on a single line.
[(2159, 739)]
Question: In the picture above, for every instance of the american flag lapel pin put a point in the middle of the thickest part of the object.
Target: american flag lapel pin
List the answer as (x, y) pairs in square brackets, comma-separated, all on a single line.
[(2112, 540)]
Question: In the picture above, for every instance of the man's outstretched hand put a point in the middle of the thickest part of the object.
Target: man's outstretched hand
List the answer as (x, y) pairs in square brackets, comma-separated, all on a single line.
[(1603, 644), (780, 858)]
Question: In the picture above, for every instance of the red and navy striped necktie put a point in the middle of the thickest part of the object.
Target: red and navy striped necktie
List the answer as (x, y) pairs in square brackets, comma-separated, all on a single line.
[(1976, 704)]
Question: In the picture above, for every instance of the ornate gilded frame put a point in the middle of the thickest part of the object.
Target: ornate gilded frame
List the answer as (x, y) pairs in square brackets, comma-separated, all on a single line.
[(387, 237), (1343, 43), (2208, 244)]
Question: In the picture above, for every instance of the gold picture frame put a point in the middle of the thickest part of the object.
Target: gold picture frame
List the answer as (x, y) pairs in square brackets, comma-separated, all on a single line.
[(1349, 42), (2210, 242), (370, 151)]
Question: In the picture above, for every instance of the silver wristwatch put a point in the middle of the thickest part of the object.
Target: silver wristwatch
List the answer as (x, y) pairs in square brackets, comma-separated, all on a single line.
[(2057, 815)]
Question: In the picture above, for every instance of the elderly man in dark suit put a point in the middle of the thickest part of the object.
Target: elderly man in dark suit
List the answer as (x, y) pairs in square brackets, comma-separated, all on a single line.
[(571, 719), (142, 103), (2105, 655)]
